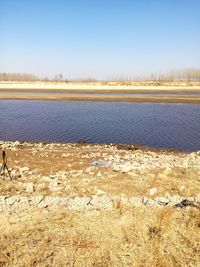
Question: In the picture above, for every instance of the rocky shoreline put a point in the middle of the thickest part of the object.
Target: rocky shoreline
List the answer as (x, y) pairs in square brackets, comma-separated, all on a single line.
[(98, 205), (15, 204), (87, 177)]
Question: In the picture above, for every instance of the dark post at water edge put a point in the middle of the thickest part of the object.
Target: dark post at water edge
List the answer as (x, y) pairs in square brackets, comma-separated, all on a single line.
[(4, 165)]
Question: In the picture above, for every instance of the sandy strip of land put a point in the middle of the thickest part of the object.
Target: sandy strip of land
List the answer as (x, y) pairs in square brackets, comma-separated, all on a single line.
[(195, 99), (100, 86), (20, 90)]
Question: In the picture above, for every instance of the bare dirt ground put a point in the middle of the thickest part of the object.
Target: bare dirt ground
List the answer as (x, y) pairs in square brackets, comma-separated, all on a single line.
[(128, 214)]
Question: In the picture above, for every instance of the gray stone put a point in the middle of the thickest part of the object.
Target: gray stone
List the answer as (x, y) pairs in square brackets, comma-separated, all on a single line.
[(162, 200), (149, 202), (100, 163), (24, 169)]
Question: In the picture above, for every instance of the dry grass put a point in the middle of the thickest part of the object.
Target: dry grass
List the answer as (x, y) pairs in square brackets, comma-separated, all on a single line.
[(123, 237), (178, 181)]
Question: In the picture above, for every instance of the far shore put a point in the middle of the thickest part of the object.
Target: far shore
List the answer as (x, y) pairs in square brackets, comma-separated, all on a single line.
[(98, 97), (18, 91), (101, 86)]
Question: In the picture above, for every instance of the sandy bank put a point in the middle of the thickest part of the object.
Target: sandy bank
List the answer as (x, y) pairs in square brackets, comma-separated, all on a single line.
[(20, 90), (108, 98), (104, 86)]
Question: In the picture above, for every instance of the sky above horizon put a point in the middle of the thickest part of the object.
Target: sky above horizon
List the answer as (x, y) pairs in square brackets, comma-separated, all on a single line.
[(107, 38)]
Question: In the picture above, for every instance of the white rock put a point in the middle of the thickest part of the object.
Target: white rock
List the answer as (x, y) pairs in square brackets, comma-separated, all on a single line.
[(30, 188), (10, 200), (182, 189), (52, 176), (14, 174), (41, 187), (17, 143), (55, 186), (149, 202), (46, 179), (167, 171), (153, 191), (126, 168), (116, 168), (85, 181), (100, 192), (162, 200), (24, 169)]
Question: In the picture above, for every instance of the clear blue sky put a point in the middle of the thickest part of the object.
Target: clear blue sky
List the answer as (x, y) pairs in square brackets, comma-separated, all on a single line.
[(98, 38)]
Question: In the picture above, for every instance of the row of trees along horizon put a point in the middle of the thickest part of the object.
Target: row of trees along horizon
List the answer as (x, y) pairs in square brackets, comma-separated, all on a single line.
[(175, 75)]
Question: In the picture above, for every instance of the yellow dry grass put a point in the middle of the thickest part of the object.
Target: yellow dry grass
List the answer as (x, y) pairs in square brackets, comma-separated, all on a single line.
[(125, 236)]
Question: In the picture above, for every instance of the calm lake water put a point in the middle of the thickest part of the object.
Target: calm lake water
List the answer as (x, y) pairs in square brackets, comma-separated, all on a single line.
[(152, 124)]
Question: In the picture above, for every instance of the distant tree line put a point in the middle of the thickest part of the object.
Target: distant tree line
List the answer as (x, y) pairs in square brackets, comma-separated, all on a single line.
[(17, 77), (189, 74), (178, 75)]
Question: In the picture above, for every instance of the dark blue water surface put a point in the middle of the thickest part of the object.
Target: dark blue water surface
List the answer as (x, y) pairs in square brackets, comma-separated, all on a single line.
[(152, 124)]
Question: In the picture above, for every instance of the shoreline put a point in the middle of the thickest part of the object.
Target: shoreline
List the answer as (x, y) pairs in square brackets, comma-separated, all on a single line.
[(150, 85), (99, 98), (118, 146), (75, 198), (84, 172), (98, 162), (96, 92)]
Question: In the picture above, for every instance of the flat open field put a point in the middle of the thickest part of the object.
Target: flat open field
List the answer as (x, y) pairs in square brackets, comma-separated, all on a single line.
[(99, 205)]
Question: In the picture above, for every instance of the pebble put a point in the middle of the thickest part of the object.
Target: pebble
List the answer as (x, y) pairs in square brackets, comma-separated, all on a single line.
[(153, 191), (24, 169), (30, 188), (162, 200), (55, 186)]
